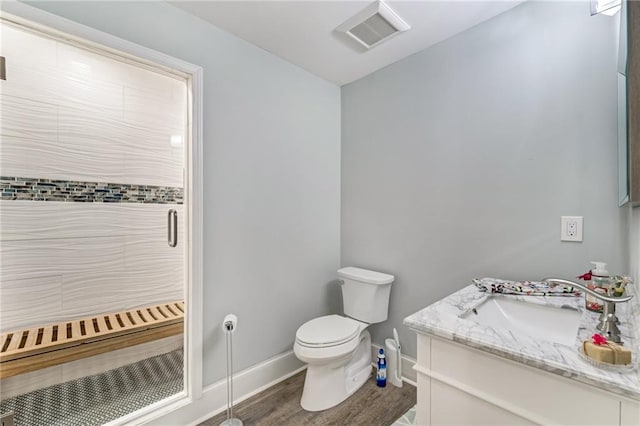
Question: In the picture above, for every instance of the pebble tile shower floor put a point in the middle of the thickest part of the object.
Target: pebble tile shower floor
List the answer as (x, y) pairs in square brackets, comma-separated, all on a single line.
[(98, 399)]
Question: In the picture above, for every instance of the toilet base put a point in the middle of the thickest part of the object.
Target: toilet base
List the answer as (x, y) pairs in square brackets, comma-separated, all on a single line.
[(326, 386)]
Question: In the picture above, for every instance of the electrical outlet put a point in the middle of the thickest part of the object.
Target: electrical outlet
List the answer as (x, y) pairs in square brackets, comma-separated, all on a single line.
[(571, 228)]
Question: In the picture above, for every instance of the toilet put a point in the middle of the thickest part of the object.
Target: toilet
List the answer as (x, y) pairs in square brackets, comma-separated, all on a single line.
[(337, 349)]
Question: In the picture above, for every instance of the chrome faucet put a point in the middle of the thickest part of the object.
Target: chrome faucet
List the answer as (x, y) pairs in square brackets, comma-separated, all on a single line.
[(608, 321)]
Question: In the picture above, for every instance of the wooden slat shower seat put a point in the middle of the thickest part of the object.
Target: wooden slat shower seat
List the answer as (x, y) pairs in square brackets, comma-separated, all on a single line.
[(31, 349)]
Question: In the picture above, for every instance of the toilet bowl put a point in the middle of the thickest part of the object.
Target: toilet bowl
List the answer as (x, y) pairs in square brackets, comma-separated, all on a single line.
[(337, 349)]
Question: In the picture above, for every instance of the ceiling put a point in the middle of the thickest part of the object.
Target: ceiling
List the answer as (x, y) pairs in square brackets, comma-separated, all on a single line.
[(302, 31)]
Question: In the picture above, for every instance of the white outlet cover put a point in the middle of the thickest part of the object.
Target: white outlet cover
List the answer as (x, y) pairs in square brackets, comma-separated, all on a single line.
[(571, 228)]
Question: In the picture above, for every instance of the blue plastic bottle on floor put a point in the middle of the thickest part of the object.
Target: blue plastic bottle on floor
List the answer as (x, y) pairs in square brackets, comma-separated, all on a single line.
[(381, 377)]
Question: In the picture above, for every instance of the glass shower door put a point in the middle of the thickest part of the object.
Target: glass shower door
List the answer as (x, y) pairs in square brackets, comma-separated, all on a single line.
[(92, 247)]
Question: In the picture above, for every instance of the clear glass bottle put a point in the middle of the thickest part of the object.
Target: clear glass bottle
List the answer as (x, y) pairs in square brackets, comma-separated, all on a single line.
[(600, 282)]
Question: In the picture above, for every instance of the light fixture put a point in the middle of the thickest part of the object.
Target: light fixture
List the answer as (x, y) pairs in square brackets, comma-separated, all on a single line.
[(373, 25), (606, 7)]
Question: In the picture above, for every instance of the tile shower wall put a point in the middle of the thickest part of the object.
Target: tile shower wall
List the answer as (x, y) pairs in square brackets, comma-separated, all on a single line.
[(91, 159), (67, 260), (70, 114)]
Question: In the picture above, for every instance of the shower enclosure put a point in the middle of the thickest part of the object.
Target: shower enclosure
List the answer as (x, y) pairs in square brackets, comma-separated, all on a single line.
[(93, 239)]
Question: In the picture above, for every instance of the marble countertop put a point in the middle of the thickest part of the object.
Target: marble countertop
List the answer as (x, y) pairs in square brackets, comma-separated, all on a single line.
[(443, 319)]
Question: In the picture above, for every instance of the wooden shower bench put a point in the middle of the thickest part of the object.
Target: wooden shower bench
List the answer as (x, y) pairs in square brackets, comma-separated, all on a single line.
[(31, 349)]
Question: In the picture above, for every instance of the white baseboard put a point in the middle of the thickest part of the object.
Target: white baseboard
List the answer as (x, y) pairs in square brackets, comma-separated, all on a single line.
[(409, 375), (246, 383)]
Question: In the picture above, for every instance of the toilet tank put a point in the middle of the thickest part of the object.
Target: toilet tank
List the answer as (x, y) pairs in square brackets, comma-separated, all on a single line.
[(365, 294)]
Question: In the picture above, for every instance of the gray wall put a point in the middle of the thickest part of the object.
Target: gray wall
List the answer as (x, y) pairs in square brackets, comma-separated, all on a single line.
[(271, 178), (458, 161)]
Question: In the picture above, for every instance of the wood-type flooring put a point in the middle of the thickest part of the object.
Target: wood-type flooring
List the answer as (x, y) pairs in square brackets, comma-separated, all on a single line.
[(280, 405)]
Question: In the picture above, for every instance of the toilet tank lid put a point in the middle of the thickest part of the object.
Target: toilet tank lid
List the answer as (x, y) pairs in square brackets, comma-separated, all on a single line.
[(364, 275)]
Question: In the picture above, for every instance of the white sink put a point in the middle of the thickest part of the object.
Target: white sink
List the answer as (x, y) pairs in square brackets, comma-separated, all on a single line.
[(550, 323)]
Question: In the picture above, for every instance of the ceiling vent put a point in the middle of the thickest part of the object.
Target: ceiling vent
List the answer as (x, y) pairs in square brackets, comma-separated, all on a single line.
[(373, 25)]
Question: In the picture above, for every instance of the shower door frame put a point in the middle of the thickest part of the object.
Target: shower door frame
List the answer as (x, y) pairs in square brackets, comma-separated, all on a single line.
[(109, 45)]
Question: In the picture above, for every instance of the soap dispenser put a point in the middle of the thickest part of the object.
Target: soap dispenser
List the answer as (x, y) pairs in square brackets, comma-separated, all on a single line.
[(600, 282)]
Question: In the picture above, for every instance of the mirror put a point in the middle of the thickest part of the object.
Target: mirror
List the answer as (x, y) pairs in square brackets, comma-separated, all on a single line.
[(623, 148), (623, 140), (629, 105)]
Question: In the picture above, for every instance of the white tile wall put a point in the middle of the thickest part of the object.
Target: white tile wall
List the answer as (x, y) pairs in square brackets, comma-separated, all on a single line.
[(71, 114), (91, 146), (29, 301), (18, 121), (29, 70), (28, 49), (32, 258), (81, 116), (25, 220), (90, 257)]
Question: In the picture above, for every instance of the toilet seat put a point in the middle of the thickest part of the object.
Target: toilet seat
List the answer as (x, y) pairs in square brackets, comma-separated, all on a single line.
[(327, 331)]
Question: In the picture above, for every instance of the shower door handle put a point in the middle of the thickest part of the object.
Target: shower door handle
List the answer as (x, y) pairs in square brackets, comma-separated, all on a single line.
[(172, 228)]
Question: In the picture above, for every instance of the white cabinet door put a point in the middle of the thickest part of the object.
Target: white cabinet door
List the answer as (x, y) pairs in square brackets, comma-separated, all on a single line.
[(450, 406)]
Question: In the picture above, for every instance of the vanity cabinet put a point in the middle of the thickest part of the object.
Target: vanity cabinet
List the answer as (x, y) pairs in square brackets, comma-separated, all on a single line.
[(460, 385)]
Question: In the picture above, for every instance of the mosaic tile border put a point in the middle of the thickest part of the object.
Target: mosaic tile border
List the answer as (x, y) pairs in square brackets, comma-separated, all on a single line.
[(21, 188)]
